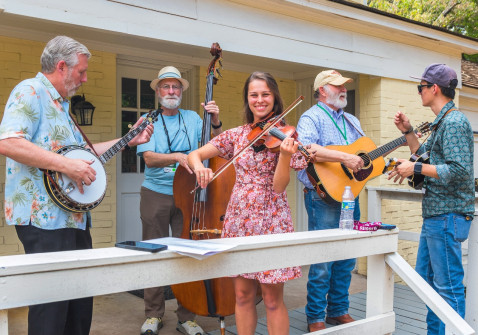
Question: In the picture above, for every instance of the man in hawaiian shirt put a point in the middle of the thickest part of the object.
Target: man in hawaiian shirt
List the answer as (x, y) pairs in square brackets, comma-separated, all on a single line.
[(35, 124), (448, 191)]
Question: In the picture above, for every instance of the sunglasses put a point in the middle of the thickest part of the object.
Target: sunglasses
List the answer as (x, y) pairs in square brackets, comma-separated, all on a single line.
[(420, 87)]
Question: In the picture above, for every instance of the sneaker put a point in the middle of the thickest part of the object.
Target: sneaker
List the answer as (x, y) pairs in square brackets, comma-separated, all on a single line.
[(189, 328), (151, 326)]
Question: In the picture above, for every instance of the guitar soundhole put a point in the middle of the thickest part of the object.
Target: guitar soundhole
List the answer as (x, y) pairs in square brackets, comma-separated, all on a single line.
[(366, 170)]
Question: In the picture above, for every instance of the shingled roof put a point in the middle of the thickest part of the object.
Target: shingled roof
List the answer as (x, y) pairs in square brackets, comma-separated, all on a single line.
[(469, 73)]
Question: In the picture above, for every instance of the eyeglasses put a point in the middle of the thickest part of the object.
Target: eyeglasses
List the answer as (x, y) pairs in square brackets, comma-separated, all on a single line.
[(421, 86), (168, 87)]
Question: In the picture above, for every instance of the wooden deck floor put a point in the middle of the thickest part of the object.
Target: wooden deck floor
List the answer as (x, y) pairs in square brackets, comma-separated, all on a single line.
[(410, 315)]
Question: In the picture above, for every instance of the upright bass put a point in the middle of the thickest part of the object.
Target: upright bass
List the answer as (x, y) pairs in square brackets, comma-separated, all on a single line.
[(203, 216)]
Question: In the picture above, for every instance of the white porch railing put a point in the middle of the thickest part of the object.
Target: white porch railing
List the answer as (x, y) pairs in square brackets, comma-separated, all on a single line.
[(41, 278)]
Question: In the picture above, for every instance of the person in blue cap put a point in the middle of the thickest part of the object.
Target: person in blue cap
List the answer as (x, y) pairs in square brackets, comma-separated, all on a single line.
[(448, 203)]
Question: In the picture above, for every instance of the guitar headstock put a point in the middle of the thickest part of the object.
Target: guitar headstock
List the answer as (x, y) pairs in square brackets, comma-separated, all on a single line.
[(213, 67), (390, 165), (423, 128), (149, 118), (152, 116)]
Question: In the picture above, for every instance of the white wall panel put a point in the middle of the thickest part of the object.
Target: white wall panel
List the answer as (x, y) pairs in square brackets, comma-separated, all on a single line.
[(247, 30)]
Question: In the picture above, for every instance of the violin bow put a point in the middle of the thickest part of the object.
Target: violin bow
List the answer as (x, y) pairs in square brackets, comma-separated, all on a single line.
[(255, 139)]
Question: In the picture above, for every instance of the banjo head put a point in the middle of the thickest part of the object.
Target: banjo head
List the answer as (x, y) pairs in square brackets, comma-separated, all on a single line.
[(93, 192), (64, 192)]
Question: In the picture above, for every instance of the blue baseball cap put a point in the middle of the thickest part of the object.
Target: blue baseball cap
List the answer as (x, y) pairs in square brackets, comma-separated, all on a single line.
[(440, 74)]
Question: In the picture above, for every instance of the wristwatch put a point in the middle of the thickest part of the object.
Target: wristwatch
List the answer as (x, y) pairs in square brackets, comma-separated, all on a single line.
[(217, 126), (417, 168), (408, 131)]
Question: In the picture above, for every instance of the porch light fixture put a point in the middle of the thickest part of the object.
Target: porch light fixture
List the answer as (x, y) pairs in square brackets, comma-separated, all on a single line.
[(83, 110)]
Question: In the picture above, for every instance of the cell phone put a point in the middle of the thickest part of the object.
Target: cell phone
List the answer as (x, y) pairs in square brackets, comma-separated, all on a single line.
[(387, 226), (142, 246)]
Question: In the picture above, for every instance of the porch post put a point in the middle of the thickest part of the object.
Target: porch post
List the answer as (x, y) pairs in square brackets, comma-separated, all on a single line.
[(374, 205), (380, 281), (4, 322)]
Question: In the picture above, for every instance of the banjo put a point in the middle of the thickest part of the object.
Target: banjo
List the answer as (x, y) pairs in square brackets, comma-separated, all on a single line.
[(63, 191)]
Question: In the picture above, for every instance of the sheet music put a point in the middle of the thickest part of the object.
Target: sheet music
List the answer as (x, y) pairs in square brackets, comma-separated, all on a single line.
[(199, 249)]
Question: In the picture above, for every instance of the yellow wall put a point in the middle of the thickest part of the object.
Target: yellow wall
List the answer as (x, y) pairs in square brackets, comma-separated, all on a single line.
[(19, 60)]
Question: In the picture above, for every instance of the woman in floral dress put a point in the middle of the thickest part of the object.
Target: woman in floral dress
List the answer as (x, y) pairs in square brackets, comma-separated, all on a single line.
[(258, 203)]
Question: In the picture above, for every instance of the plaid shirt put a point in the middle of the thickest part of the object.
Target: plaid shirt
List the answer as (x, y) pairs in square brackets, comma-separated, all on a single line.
[(451, 151)]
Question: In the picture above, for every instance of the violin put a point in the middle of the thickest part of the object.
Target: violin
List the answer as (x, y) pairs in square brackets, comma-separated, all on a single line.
[(267, 140)]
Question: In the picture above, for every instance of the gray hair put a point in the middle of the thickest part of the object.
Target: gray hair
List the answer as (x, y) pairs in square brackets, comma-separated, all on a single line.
[(317, 93), (62, 48)]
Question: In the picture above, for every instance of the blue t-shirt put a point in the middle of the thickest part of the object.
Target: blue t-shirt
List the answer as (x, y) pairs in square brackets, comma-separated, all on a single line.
[(184, 131)]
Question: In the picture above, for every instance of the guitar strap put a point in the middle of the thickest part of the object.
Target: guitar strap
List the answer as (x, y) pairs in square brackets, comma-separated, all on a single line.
[(359, 131), (84, 135), (435, 128), (438, 124)]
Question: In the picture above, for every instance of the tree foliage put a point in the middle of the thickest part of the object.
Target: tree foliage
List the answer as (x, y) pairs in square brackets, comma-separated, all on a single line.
[(459, 16)]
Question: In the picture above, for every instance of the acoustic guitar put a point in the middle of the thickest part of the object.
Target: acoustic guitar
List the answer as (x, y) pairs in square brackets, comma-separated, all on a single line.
[(330, 178), (64, 192)]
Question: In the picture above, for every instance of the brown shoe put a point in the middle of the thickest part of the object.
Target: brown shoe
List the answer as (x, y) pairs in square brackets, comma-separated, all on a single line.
[(316, 326), (339, 320)]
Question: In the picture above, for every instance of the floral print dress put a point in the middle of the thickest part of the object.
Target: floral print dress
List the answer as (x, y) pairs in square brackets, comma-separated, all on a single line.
[(254, 208)]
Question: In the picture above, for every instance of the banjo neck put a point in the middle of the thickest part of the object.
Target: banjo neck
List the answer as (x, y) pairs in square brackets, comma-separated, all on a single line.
[(108, 154)]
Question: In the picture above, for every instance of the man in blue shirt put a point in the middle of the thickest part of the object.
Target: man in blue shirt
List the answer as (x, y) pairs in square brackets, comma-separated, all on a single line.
[(177, 132), (448, 203), (37, 123), (327, 124)]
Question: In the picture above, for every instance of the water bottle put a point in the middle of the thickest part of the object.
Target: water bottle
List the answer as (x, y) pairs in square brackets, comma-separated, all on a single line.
[(347, 212)]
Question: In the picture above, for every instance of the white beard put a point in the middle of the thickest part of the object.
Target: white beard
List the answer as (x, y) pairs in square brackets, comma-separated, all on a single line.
[(170, 102), (334, 99), (69, 85)]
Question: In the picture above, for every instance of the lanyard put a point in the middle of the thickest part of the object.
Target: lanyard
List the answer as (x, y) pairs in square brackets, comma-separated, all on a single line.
[(179, 129), (344, 133)]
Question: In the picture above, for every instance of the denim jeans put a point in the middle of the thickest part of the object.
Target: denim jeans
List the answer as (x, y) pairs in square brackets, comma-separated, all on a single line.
[(328, 285), (439, 262)]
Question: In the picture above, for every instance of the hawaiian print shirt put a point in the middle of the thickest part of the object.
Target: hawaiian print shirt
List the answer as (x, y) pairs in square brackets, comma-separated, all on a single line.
[(36, 112), (451, 151)]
